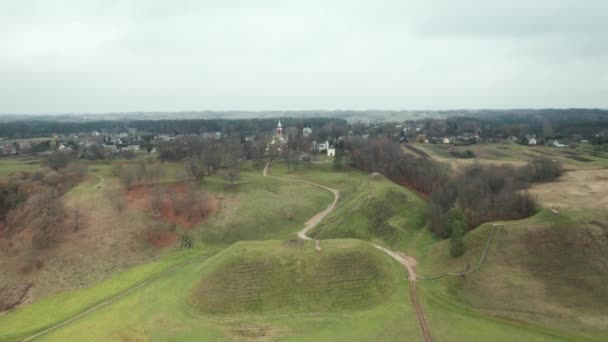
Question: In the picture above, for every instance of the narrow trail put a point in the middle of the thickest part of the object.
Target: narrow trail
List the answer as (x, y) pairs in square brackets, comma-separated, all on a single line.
[(101, 180), (313, 221), (422, 323)]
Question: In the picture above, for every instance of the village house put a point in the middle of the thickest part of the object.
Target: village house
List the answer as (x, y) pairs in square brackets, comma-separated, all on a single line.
[(532, 141), (513, 139), (555, 143), (331, 151), (320, 147), (211, 135)]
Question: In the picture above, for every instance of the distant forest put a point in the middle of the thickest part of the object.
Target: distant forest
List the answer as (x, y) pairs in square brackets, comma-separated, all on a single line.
[(542, 122), (42, 128)]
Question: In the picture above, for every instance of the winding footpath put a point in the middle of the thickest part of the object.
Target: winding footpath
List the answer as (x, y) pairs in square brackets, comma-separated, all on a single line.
[(313, 221), (302, 234), (101, 180)]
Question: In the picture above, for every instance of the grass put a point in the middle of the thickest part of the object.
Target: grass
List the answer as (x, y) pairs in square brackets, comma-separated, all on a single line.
[(161, 311), (32, 318), (405, 230), (378, 210), (262, 208), (17, 164), (292, 277), (548, 271), (583, 157)]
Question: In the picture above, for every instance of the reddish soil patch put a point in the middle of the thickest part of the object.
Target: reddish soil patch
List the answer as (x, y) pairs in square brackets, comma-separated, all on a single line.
[(161, 238), (173, 203)]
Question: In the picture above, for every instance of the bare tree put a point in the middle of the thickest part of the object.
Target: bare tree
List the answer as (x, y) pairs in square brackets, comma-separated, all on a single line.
[(195, 167), (57, 160), (127, 177), (156, 199), (77, 218)]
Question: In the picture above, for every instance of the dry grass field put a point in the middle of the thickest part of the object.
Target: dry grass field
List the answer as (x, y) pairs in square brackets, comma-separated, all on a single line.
[(576, 189)]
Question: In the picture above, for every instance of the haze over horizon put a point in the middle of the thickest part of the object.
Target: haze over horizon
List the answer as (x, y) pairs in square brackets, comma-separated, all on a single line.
[(119, 56)]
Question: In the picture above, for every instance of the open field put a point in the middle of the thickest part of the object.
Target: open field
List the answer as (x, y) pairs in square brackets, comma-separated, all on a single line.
[(16, 164), (582, 158), (577, 189)]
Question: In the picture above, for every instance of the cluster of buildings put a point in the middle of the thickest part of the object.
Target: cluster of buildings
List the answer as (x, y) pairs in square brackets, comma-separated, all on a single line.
[(279, 140)]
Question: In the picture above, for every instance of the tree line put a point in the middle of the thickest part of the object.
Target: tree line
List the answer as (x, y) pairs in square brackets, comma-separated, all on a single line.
[(480, 193), (42, 128)]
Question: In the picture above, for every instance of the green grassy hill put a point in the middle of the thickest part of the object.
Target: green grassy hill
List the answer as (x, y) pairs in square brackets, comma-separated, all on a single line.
[(548, 270), (366, 300), (290, 277), (262, 208), (381, 211)]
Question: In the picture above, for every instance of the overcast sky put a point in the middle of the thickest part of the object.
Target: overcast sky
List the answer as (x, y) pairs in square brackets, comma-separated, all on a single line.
[(151, 55)]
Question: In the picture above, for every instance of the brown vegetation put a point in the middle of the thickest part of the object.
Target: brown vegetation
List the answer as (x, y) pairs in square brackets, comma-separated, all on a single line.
[(174, 203), (30, 201), (483, 192)]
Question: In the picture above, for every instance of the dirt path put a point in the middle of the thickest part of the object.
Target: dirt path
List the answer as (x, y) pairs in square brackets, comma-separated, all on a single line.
[(409, 265), (313, 221), (101, 180), (301, 234)]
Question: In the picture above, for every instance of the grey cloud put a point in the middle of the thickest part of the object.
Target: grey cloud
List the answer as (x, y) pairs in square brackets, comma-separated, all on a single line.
[(95, 56)]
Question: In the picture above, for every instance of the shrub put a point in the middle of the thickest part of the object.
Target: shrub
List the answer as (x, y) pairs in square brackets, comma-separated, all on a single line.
[(456, 225)]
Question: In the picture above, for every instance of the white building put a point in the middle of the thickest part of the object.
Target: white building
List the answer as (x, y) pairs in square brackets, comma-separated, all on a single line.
[(331, 152), (306, 131), (320, 147), (532, 141)]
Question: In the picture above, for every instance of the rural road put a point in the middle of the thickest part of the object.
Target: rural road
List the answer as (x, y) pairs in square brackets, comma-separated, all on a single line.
[(422, 323)]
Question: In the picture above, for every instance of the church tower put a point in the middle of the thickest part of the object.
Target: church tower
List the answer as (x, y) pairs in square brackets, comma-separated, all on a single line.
[(280, 130)]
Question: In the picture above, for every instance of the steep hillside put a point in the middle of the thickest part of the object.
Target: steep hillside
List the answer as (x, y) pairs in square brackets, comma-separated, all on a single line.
[(378, 210), (289, 277), (348, 291), (549, 270)]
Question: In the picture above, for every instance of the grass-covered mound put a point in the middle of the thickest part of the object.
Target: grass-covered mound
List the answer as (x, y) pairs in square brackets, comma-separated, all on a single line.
[(292, 277), (548, 270), (378, 210), (263, 208)]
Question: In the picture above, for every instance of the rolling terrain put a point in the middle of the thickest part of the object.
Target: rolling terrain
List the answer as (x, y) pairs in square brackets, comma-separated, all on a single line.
[(249, 277)]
